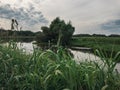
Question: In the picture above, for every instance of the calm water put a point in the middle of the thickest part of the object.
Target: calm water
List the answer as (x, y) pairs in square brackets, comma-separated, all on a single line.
[(78, 55)]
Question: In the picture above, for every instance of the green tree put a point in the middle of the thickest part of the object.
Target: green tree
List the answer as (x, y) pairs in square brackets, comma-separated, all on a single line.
[(58, 32)]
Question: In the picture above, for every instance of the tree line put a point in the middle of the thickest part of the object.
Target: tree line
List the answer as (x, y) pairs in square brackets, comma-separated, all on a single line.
[(96, 35), (7, 33)]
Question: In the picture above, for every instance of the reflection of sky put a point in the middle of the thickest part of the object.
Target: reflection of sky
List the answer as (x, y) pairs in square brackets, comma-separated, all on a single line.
[(88, 16), (81, 56), (26, 47)]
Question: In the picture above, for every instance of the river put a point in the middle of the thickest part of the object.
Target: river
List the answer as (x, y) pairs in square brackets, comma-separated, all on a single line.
[(78, 55)]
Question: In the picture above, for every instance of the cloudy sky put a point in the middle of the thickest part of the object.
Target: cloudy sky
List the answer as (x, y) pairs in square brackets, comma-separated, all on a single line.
[(87, 16)]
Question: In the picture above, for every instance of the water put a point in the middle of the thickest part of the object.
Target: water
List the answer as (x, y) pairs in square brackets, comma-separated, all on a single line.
[(82, 56), (25, 46), (78, 55), (28, 47)]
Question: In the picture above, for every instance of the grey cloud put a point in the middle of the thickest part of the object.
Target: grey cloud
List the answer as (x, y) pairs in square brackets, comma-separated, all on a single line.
[(117, 22), (30, 17), (112, 26), (38, 1), (5, 10)]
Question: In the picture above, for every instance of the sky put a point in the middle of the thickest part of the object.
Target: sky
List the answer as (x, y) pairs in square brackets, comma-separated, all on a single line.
[(87, 16)]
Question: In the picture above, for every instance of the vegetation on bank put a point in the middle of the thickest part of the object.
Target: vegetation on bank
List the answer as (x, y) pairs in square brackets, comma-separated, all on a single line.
[(7, 33), (58, 32), (47, 70), (96, 35), (105, 44)]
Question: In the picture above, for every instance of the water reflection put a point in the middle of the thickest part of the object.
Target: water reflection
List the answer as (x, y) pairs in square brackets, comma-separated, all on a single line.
[(83, 56), (24, 46), (27, 47)]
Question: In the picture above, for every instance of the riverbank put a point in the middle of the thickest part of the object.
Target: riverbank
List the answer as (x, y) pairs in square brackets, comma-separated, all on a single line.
[(108, 45), (46, 70)]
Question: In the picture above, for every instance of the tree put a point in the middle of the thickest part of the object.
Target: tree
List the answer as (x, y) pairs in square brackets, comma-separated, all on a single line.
[(14, 24), (58, 32)]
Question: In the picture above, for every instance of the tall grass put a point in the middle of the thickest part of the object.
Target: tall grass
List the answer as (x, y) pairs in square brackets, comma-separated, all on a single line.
[(104, 43), (48, 70)]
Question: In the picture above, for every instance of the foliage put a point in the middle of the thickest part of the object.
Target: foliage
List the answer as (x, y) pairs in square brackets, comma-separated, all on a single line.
[(96, 35), (8, 33), (47, 70), (109, 45), (58, 31)]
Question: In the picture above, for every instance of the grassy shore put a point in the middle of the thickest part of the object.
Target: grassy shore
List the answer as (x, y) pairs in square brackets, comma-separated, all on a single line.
[(110, 45), (47, 70)]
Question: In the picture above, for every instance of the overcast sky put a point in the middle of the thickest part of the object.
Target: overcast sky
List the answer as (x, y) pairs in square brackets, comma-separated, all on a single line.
[(87, 16)]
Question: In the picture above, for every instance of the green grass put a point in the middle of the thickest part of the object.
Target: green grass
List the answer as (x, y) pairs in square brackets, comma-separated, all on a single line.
[(105, 44), (47, 70), (96, 41)]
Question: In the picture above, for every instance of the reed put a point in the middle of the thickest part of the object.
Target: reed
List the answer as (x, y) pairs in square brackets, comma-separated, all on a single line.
[(48, 70)]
